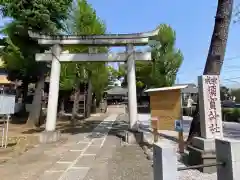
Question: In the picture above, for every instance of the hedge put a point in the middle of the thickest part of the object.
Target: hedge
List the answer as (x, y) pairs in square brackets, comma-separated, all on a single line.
[(231, 114), (228, 114)]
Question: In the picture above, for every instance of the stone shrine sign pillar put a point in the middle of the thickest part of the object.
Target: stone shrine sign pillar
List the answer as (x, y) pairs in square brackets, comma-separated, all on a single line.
[(210, 107), (202, 150)]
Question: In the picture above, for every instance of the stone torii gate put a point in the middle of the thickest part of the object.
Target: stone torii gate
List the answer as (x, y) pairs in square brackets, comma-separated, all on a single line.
[(56, 56)]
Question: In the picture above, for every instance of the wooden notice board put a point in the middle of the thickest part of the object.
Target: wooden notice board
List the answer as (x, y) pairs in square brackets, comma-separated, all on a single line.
[(166, 106)]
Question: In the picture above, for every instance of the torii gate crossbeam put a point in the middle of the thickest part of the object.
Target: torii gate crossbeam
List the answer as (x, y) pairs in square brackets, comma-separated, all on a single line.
[(56, 56)]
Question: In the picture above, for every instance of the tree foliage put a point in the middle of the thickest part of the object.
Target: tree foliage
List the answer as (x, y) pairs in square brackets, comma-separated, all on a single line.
[(224, 93), (19, 53), (84, 21), (116, 73), (68, 76), (236, 92), (37, 15), (166, 60)]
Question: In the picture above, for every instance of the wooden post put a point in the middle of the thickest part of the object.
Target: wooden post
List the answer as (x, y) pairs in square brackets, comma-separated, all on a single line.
[(179, 129), (181, 142), (155, 128), (180, 133)]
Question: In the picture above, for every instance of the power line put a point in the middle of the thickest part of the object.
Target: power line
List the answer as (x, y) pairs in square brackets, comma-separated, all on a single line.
[(232, 58), (232, 70), (231, 78), (225, 60), (232, 81), (229, 69), (232, 66), (225, 69)]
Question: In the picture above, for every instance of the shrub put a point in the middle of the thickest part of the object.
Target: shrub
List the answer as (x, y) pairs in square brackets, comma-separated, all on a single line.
[(231, 114)]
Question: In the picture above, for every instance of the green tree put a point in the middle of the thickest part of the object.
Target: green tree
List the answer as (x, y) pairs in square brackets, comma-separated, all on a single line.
[(143, 73), (68, 76), (116, 73), (19, 55), (84, 21), (99, 80), (18, 58), (87, 22), (224, 93), (236, 94), (113, 73), (166, 60)]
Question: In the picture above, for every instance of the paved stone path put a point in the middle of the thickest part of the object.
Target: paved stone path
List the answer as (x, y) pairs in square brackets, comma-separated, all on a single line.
[(78, 160), (93, 152), (100, 168)]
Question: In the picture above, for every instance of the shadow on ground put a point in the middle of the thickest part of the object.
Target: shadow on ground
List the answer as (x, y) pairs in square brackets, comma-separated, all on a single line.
[(96, 127)]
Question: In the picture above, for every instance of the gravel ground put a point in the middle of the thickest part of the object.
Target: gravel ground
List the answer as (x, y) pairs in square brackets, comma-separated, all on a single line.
[(126, 158), (187, 174), (130, 163), (194, 174)]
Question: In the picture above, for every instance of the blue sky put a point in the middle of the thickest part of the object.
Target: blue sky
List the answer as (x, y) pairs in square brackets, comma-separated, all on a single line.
[(193, 22)]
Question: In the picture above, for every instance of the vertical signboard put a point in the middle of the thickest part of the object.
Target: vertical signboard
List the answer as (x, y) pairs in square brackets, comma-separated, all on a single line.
[(7, 104), (210, 107)]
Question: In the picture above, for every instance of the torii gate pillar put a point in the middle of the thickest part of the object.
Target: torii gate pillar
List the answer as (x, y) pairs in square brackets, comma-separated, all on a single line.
[(50, 135), (132, 94), (53, 89)]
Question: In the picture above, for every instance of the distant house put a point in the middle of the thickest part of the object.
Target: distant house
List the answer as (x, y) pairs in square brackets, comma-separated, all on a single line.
[(116, 94), (115, 82), (3, 75), (190, 90)]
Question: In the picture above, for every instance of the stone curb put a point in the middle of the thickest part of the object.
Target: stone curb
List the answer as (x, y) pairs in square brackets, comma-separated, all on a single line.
[(147, 149)]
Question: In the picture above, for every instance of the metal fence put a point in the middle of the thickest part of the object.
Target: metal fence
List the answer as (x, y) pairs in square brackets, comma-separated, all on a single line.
[(201, 166)]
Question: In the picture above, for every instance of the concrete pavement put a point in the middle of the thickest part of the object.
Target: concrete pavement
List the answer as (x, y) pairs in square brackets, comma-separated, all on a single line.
[(78, 160), (71, 157)]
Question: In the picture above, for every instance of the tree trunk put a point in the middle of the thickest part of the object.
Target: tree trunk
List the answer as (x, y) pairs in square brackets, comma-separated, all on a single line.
[(24, 95), (99, 98), (89, 97), (25, 90), (62, 107), (94, 106), (216, 50), (219, 38), (75, 106), (36, 107)]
